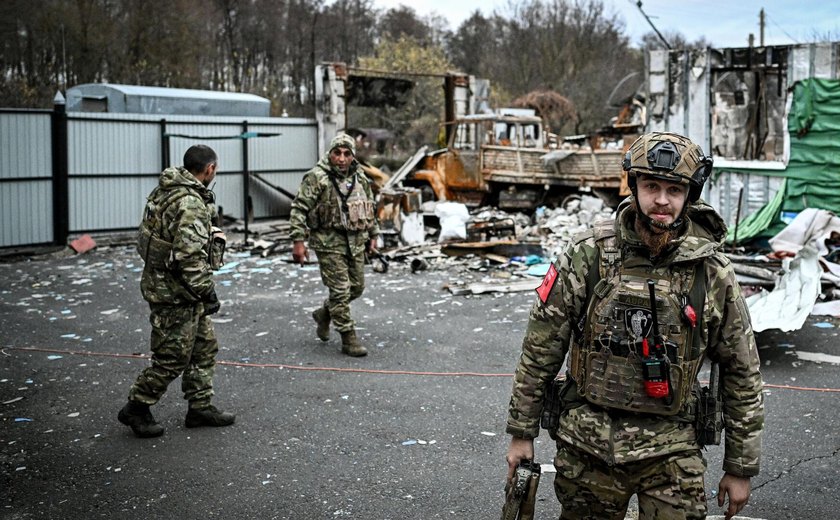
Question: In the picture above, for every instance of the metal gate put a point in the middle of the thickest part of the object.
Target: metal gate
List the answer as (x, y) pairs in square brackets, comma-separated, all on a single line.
[(64, 174)]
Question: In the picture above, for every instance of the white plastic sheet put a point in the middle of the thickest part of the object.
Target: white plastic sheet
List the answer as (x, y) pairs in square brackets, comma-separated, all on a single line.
[(788, 305), (453, 218)]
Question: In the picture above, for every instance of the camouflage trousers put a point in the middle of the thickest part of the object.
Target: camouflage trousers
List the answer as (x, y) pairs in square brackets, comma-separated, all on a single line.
[(669, 487), (183, 344), (344, 276)]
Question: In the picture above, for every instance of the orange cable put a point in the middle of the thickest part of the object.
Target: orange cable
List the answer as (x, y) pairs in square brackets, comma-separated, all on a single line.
[(357, 370)]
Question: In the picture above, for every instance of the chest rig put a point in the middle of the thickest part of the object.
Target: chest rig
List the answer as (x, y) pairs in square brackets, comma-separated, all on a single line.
[(348, 208), (608, 357)]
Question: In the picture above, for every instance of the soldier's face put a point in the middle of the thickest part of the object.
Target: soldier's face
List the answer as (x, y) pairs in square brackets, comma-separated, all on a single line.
[(341, 158), (662, 201)]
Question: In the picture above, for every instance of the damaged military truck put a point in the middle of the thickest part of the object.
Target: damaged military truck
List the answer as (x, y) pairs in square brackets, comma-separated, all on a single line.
[(507, 161)]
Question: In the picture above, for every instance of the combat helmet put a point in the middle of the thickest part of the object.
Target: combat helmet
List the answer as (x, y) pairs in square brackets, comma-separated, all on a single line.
[(669, 157)]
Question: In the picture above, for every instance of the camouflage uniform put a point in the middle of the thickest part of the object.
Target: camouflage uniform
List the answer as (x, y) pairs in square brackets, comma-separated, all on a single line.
[(177, 286), (317, 209), (606, 455)]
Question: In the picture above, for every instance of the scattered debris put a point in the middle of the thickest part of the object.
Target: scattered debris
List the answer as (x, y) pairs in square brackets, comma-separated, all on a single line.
[(817, 357)]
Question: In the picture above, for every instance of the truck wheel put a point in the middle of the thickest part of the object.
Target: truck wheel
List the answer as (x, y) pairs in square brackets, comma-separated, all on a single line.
[(568, 200)]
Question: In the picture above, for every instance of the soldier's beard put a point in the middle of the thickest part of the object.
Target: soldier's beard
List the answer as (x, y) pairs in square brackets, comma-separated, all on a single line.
[(656, 240)]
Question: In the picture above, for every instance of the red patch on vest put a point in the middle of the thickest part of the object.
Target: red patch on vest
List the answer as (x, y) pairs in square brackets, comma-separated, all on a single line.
[(547, 284)]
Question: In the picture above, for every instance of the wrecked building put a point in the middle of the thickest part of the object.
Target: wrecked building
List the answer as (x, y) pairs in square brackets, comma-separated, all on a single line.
[(749, 107)]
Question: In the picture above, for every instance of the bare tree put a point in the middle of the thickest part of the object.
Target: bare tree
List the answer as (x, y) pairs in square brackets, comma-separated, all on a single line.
[(573, 48)]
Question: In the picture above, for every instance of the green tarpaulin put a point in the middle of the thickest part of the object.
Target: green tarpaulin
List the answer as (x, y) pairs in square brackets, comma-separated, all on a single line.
[(812, 176)]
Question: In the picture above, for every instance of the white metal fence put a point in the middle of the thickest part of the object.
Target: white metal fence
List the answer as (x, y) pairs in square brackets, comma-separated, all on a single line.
[(68, 174)]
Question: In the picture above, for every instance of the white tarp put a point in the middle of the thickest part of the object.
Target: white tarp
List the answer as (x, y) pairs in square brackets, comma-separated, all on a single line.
[(788, 305), (810, 225)]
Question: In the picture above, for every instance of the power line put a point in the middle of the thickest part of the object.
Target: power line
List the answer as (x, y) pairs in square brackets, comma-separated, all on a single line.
[(780, 27)]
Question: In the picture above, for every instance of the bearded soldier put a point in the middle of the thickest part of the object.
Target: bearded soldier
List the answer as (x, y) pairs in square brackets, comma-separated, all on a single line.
[(180, 249), (638, 303), (335, 208)]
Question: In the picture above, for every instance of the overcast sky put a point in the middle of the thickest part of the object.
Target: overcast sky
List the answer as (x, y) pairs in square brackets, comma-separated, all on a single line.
[(725, 23)]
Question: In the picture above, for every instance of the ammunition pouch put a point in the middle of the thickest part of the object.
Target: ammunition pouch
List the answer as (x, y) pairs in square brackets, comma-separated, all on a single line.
[(359, 214), (521, 492), (154, 251), (216, 255)]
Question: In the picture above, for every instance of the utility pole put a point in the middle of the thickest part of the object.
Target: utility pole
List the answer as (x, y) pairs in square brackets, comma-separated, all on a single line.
[(667, 45), (761, 27)]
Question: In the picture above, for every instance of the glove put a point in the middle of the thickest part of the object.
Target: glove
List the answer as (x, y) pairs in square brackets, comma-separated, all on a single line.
[(212, 304)]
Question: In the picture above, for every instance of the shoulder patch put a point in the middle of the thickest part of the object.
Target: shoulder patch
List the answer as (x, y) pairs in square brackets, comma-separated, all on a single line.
[(548, 283)]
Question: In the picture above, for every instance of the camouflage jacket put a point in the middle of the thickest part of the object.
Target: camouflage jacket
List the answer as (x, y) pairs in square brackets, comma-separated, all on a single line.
[(185, 223), (620, 437), (317, 188)]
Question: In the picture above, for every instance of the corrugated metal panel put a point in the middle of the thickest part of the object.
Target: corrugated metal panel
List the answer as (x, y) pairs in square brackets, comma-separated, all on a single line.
[(228, 190), (25, 153), (112, 147), (722, 193), (25, 145), (296, 149), (108, 203), (229, 150), (114, 159), (26, 213)]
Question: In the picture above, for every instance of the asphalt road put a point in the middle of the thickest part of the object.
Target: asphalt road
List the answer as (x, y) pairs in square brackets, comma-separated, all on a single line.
[(413, 431)]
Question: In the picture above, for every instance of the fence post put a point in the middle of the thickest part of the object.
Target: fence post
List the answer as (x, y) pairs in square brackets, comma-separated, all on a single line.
[(246, 178), (164, 146), (60, 181)]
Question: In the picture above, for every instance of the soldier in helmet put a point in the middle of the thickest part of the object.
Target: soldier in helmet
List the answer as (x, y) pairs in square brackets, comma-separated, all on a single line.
[(334, 209), (638, 303), (180, 249)]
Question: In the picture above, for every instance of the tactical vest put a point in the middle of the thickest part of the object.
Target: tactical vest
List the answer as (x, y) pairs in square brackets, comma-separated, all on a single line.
[(355, 212), (606, 357), (153, 249)]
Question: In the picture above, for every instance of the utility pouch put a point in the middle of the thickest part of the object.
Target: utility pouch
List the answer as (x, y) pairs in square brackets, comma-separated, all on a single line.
[(218, 241), (552, 406), (709, 418), (560, 395), (156, 253)]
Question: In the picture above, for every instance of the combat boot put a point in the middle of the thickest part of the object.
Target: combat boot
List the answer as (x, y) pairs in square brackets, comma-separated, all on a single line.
[(140, 419), (350, 344), (322, 318), (210, 416)]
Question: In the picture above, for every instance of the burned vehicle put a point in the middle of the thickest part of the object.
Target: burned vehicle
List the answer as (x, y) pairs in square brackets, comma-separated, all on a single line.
[(510, 162)]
